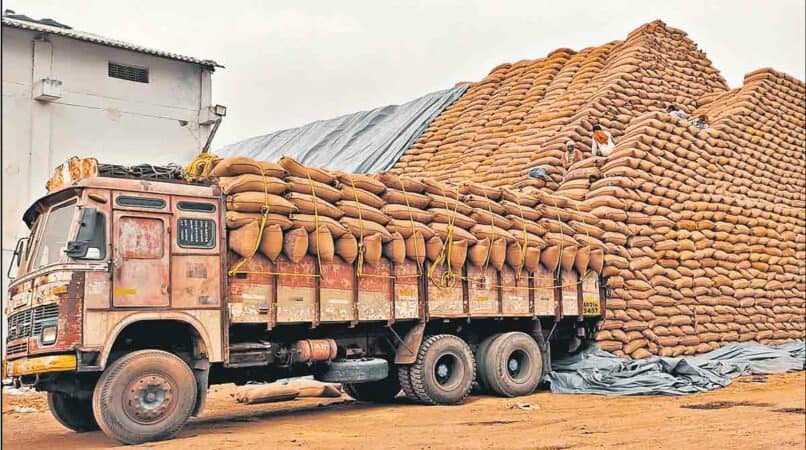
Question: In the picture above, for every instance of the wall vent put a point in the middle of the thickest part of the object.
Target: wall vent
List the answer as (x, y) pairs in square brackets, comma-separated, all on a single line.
[(129, 73)]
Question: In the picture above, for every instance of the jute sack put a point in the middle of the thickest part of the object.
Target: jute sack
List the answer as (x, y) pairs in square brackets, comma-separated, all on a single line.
[(498, 253), (485, 217), (479, 253), (521, 211), (296, 169), (475, 201), (365, 227), (362, 211), (243, 240), (443, 229), (515, 256), (531, 259), (550, 257), (442, 215), (438, 201), (347, 248), (400, 183), (309, 187), (403, 212), (457, 254), (469, 187), (240, 165), (255, 202), (373, 249), (363, 196), (271, 243), (439, 188), (237, 219), (295, 244), (309, 222), (582, 260), (492, 232), (359, 181), (415, 248), (273, 392), (320, 243), (397, 197), (308, 204), (406, 228), (251, 182), (433, 248), (395, 250)]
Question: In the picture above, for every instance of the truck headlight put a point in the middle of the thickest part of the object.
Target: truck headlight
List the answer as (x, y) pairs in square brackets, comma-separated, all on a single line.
[(48, 335)]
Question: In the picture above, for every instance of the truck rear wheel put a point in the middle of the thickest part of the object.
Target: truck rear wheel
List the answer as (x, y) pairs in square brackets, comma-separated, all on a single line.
[(444, 371), (72, 412), (381, 391), (513, 364), (481, 358), (147, 395)]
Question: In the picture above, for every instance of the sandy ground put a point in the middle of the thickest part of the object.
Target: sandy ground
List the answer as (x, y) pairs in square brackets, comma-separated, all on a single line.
[(761, 412)]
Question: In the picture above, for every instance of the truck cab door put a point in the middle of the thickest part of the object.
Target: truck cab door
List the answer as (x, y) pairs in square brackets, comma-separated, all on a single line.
[(140, 259)]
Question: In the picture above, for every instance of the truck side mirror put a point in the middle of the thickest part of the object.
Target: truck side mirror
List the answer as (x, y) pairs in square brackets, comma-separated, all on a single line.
[(90, 241), (16, 257)]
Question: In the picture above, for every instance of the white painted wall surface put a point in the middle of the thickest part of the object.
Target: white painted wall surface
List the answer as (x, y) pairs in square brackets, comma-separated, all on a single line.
[(114, 120)]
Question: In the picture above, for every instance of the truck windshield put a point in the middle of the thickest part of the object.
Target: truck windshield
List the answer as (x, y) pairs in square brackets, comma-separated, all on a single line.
[(53, 231)]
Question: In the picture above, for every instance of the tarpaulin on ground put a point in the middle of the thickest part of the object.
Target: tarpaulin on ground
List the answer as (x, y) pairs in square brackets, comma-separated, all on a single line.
[(367, 141), (595, 371)]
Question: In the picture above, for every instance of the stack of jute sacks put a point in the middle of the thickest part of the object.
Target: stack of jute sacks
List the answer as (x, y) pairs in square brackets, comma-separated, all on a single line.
[(704, 228), (521, 114), (291, 209)]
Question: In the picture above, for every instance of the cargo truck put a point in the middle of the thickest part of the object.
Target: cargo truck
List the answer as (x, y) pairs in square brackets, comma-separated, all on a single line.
[(123, 309)]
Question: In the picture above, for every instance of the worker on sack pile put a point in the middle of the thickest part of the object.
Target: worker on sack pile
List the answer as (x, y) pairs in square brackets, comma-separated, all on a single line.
[(700, 122), (674, 111), (602, 143), (572, 154)]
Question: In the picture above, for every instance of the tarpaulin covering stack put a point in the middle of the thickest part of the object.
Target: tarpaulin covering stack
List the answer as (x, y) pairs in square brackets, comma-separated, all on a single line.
[(595, 371), (363, 142), (703, 228)]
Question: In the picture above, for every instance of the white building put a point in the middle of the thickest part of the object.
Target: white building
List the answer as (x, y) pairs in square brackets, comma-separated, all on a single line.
[(67, 92)]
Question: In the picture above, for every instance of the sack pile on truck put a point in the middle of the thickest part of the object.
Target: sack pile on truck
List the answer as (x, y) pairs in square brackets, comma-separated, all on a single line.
[(291, 209)]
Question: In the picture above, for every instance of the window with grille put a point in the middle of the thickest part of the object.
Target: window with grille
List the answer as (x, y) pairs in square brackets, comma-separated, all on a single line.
[(129, 73)]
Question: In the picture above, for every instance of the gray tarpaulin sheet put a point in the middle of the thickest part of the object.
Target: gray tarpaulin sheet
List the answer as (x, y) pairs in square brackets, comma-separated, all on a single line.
[(595, 371), (367, 141)]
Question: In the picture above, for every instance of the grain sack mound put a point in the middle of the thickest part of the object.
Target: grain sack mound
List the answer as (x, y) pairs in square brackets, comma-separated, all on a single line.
[(695, 219)]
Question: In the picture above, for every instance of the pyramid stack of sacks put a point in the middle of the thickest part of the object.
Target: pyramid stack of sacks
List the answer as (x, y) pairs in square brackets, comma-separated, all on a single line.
[(521, 114), (704, 228), (304, 210)]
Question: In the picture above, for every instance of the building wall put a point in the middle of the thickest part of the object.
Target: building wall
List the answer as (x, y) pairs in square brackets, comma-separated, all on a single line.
[(117, 121)]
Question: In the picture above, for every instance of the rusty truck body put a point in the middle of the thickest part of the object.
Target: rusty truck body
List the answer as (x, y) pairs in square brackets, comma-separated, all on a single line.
[(122, 309)]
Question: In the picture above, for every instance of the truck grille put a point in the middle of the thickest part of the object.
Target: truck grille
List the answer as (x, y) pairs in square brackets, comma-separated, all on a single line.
[(17, 348), (29, 323)]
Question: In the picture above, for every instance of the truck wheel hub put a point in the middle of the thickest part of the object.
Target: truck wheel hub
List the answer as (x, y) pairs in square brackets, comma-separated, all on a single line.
[(149, 398)]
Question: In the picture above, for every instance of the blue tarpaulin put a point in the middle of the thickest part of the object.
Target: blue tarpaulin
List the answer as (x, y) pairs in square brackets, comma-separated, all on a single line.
[(595, 371), (364, 142)]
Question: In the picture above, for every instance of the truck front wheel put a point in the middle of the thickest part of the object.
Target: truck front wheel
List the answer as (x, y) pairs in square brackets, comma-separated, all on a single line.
[(72, 412), (147, 395)]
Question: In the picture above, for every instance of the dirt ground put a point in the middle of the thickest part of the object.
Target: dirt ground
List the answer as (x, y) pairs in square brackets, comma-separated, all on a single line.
[(760, 412)]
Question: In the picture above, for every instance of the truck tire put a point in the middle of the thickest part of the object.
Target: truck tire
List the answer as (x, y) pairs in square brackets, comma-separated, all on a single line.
[(72, 412), (444, 371), (144, 396), (361, 370), (404, 377), (381, 391), (513, 364), (481, 358)]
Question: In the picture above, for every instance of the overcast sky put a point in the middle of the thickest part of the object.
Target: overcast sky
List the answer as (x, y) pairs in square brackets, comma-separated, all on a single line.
[(289, 63)]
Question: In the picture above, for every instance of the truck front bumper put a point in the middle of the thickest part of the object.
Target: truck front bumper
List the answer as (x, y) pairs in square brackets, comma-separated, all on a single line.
[(40, 364)]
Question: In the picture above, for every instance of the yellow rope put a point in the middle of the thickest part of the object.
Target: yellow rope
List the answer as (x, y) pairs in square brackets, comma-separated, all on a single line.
[(200, 167)]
